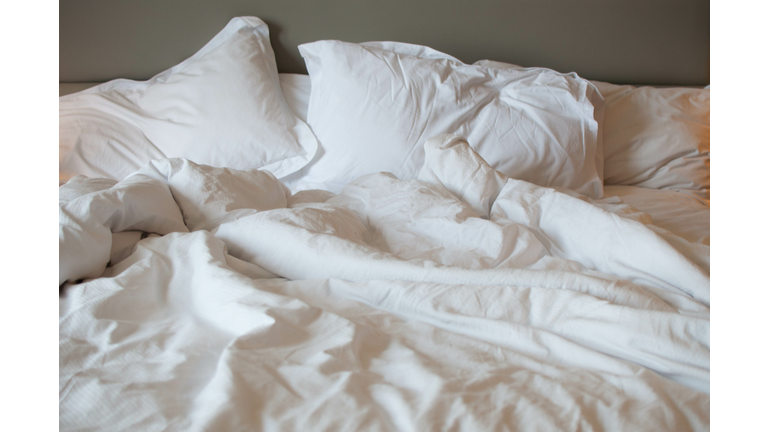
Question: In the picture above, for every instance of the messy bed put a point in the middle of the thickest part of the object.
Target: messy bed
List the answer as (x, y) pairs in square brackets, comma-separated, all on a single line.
[(395, 241)]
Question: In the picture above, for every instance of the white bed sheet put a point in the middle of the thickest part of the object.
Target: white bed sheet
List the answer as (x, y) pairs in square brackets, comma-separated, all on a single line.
[(404, 308)]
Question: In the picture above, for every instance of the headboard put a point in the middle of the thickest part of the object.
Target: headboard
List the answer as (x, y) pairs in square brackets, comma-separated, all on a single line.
[(651, 42)]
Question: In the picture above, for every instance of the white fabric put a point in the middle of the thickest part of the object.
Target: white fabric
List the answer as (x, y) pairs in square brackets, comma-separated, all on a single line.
[(405, 308), (296, 89), (222, 107), (372, 110), (86, 223), (656, 138), (684, 214), (414, 50)]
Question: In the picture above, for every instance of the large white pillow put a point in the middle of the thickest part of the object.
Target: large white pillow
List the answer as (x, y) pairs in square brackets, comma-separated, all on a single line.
[(372, 109), (657, 138), (221, 107)]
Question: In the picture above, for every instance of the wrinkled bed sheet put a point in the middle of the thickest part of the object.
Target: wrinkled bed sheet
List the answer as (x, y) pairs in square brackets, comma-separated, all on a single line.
[(212, 299), (685, 214)]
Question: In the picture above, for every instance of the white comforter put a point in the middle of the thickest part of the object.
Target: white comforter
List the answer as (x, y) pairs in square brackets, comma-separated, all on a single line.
[(463, 300)]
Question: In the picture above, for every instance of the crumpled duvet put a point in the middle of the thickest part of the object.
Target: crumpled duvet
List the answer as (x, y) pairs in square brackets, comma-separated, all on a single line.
[(200, 298)]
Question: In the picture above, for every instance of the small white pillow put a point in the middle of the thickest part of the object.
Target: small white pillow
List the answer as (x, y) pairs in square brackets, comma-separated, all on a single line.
[(372, 109), (221, 107)]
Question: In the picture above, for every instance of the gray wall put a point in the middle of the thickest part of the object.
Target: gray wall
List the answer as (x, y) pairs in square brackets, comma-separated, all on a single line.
[(621, 41)]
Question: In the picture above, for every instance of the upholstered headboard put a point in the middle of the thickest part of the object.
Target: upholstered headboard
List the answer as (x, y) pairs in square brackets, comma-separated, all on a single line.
[(634, 42)]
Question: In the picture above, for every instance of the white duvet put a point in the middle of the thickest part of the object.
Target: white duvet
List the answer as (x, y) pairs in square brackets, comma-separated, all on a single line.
[(464, 300)]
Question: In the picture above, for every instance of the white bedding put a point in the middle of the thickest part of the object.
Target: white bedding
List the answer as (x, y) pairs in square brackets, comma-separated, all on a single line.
[(461, 300), (686, 215)]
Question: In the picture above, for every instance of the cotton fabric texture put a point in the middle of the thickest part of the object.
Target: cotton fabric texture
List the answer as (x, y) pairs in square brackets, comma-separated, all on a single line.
[(656, 138), (221, 107), (372, 109), (442, 302)]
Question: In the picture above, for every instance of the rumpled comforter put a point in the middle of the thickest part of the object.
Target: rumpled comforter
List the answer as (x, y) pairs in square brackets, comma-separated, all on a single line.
[(199, 298)]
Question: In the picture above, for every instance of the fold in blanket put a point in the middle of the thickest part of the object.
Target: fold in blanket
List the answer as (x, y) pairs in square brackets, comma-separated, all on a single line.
[(461, 299)]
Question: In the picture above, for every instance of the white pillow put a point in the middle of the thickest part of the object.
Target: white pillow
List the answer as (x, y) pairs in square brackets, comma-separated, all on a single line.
[(420, 51), (657, 138), (296, 89), (221, 107), (372, 109)]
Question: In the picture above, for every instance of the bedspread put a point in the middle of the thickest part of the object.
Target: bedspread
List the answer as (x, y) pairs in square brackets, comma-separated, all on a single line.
[(199, 298)]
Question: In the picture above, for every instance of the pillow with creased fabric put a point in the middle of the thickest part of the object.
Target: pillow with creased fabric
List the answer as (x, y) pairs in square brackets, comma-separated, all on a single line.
[(221, 107), (296, 89), (403, 48), (372, 109), (657, 138)]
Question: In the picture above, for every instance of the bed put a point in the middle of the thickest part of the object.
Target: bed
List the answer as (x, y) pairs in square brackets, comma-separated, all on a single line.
[(394, 240)]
